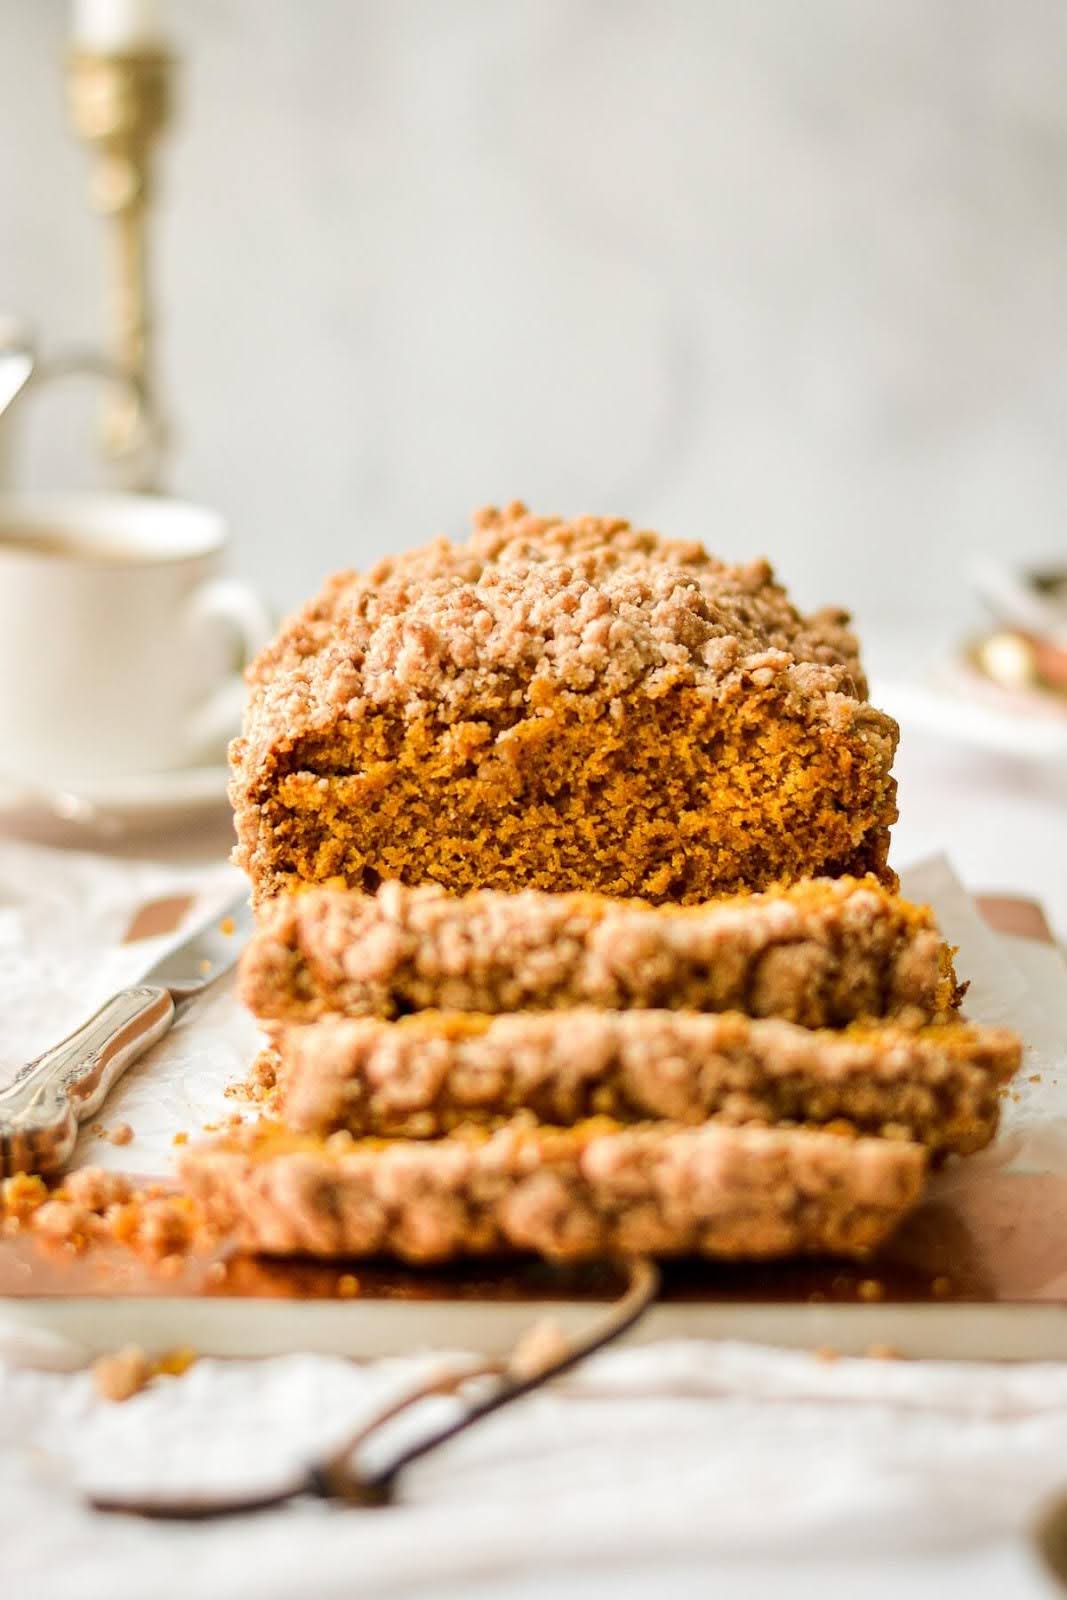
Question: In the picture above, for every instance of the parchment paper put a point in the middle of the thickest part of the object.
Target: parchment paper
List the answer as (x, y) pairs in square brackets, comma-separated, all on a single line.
[(63, 915)]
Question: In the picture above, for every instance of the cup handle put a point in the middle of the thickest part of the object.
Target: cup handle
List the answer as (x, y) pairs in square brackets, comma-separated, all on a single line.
[(237, 607)]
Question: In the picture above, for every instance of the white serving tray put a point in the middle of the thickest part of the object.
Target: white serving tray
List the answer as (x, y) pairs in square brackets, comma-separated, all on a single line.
[(1014, 1308)]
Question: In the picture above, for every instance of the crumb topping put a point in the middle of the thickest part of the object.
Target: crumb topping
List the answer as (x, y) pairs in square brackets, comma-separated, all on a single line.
[(534, 608), (821, 953)]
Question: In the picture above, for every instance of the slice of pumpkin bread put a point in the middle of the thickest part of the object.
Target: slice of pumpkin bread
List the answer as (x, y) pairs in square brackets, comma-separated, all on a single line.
[(561, 705), (568, 1194), (426, 1074), (821, 953)]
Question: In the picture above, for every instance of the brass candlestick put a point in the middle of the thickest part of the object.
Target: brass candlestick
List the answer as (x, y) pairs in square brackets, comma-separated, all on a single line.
[(120, 104)]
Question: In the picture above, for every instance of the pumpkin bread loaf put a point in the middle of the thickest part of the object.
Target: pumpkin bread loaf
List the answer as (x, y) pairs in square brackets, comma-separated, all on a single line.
[(563, 706)]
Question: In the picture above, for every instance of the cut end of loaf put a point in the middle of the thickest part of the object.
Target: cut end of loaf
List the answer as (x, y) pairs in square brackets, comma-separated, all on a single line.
[(562, 705)]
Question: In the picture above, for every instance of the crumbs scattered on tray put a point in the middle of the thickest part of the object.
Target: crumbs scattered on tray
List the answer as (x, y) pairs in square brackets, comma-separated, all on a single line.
[(92, 1206), (227, 926), (121, 1133), (261, 1083), (227, 1125)]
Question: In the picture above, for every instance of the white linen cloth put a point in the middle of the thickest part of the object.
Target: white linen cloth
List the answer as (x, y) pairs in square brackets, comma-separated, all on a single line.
[(706, 1467), (676, 1451)]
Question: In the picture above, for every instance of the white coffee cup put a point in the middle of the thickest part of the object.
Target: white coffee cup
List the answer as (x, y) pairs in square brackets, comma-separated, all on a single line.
[(121, 642)]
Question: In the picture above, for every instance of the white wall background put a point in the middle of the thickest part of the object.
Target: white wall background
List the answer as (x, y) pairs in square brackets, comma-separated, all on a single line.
[(792, 278)]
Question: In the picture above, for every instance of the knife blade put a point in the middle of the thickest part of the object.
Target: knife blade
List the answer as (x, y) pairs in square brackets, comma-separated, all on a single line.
[(209, 951), (41, 1108)]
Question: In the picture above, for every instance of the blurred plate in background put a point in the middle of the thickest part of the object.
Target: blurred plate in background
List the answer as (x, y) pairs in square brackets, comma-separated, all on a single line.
[(97, 811)]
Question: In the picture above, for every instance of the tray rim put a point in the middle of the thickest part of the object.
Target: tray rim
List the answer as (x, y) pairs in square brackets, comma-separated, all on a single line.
[(225, 1327)]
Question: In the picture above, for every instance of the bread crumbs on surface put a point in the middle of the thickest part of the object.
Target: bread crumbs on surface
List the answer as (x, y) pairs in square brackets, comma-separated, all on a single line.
[(181, 1137), (176, 1363), (827, 1353), (347, 1286), (21, 1196), (94, 1207), (120, 1376), (261, 1084), (227, 926), (882, 1352), (226, 1125), (870, 1289), (120, 1134)]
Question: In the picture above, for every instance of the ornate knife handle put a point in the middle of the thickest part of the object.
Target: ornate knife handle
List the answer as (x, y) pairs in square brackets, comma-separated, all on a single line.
[(40, 1110)]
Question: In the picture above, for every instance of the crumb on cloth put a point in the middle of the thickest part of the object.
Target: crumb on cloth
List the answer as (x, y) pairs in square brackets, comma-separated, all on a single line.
[(124, 1373)]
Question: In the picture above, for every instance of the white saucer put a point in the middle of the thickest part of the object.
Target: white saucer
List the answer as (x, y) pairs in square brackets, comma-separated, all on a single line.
[(964, 708), (101, 809)]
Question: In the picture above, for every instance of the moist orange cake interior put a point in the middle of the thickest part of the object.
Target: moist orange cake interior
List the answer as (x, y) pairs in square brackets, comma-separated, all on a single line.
[(676, 799)]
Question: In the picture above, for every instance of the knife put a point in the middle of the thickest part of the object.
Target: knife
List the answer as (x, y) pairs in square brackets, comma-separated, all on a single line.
[(42, 1107)]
